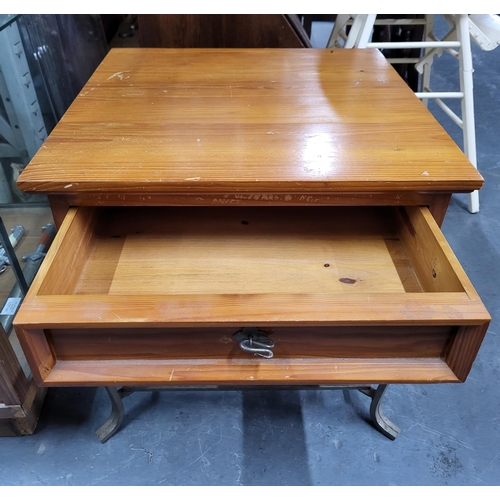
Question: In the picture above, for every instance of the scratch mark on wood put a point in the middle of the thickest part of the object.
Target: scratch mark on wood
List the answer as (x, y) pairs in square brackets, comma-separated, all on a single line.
[(119, 74)]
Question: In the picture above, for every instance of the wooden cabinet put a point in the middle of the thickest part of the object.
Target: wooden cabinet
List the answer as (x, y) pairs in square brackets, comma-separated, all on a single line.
[(222, 31), (20, 398), (296, 193)]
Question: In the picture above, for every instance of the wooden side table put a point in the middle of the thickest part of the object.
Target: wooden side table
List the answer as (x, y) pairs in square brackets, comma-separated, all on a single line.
[(249, 218)]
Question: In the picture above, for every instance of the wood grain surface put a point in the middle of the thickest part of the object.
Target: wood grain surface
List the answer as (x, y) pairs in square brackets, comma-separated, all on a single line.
[(13, 382), (436, 202), (292, 309), (463, 351), (220, 30), (235, 120), (217, 343), (253, 250), (249, 372)]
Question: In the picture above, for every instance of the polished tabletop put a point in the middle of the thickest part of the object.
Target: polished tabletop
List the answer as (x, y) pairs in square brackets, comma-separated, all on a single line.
[(234, 120)]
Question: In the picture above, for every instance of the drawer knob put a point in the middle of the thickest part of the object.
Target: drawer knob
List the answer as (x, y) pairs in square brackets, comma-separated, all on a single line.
[(255, 341)]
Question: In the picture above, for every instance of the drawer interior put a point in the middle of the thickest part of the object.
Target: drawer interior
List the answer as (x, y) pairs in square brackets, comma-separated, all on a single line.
[(249, 250)]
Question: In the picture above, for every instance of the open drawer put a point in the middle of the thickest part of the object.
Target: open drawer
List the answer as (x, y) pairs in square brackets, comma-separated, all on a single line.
[(156, 295)]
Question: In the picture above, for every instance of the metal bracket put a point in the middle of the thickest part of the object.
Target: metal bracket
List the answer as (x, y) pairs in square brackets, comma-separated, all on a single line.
[(255, 341)]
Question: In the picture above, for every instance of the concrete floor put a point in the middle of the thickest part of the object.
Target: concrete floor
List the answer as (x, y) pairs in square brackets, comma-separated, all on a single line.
[(450, 434)]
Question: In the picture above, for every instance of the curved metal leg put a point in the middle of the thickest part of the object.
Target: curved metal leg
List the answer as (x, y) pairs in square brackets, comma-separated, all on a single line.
[(115, 419), (380, 421)]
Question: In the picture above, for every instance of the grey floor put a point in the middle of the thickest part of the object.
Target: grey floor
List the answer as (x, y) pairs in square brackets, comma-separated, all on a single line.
[(450, 434)]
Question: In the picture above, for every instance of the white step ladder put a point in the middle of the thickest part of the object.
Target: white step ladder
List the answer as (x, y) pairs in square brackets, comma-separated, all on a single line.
[(484, 29)]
